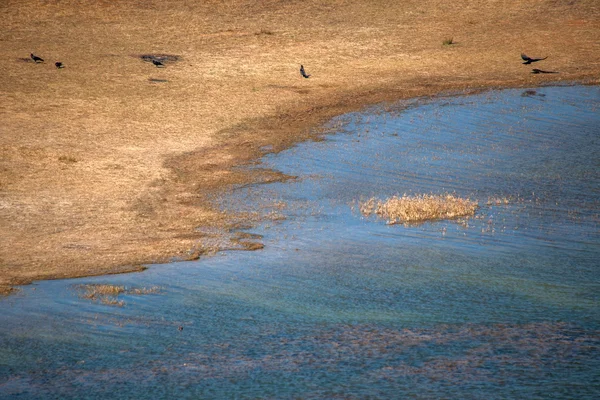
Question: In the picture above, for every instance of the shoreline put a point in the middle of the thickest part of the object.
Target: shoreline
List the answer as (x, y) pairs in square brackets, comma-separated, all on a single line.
[(248, 154), (110, 163)]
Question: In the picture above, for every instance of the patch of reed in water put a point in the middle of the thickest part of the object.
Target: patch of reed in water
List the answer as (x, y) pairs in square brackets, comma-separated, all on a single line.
[(108, 294), (419, 208)]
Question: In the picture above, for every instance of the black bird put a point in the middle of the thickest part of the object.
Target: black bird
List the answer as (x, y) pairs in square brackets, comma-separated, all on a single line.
[(529, 60), (541, 71), (180, 328), (303, 73), (158, 64), (59, 65), (36, 58)]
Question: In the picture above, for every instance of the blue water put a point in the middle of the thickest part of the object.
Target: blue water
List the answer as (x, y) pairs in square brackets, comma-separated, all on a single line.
[(337, 305)]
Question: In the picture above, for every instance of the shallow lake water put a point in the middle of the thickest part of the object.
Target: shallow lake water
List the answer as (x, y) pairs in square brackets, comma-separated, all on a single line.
[(502, 305)]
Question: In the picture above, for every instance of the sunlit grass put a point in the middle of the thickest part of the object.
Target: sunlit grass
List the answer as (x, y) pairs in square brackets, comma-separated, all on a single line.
[(419, 208)]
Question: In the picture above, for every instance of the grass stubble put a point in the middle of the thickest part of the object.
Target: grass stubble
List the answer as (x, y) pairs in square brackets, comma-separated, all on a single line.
[(110, 162)]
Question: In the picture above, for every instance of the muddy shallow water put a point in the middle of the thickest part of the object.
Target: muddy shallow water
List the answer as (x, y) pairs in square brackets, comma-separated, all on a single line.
[(503, 305)]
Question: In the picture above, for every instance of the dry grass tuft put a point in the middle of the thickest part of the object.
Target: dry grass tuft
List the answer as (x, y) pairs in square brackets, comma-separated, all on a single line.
[(497, 201), (407, 209), (112, 301), (109, 294), (140, 291), (94, 291), (448, 42)]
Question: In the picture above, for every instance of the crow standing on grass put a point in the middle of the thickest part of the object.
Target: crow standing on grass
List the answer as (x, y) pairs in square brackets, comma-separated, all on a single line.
[(529, 60), (303, 73), (59, 65), (36, 58)]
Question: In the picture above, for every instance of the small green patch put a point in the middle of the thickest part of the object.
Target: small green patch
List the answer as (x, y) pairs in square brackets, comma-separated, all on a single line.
[(448, 42)]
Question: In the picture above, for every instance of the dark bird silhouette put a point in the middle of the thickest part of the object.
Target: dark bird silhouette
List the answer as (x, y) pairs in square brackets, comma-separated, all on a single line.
[(59, 65), (180, 328), (303, 72), (541, 71), (158, 64), (36, 58), (529, 60)]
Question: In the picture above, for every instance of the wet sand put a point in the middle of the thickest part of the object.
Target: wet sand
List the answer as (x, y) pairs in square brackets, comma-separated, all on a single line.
[(111, 163)]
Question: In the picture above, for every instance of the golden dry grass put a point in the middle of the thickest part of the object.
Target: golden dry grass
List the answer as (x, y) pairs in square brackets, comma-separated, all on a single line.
[(419, 208), (109, 163)]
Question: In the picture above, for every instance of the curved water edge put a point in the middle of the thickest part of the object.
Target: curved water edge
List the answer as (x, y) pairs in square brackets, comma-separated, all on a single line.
[(502, 305)]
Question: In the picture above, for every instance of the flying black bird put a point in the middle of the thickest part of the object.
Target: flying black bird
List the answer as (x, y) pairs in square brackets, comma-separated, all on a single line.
[(529, 60), (36, 58), (303, 73), (541, 71), (59, 65), (158, 64)]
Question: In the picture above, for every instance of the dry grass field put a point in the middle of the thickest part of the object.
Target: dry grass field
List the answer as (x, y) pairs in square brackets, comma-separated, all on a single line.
[(108, 163)]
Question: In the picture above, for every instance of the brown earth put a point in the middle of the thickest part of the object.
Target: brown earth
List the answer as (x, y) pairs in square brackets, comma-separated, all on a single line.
[(111, 163)]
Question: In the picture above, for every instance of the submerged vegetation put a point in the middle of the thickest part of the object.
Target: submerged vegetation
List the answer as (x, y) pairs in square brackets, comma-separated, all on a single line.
[(109, 294), (419, 208)]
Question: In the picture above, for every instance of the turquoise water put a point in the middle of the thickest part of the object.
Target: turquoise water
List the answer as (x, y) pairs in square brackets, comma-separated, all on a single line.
[(503, 305)]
